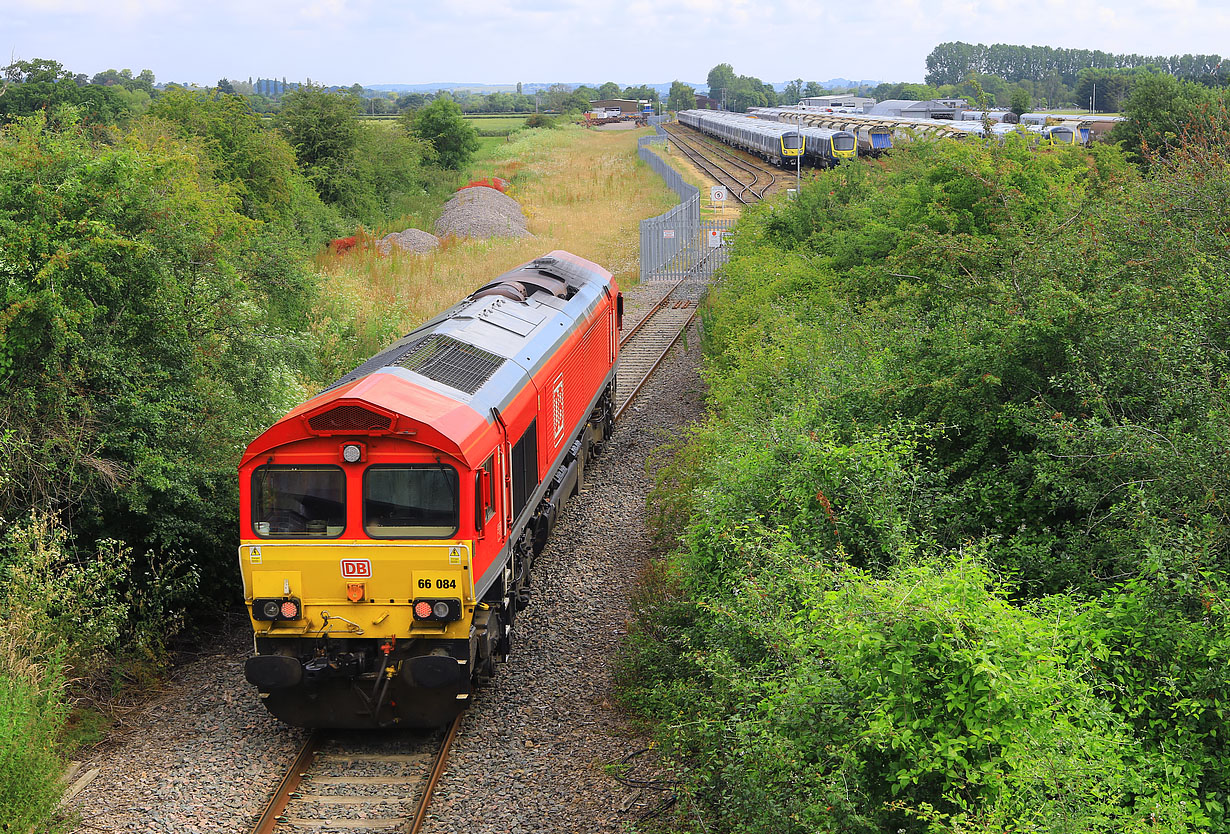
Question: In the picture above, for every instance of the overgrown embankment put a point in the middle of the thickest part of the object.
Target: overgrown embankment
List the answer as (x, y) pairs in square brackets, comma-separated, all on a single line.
[(159, 307), (582, 191), (952, 547)]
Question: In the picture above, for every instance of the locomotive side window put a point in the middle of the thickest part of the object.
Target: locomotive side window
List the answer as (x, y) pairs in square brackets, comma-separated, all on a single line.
[(410, 502), (484, 492), (525, 468), (298, 501)]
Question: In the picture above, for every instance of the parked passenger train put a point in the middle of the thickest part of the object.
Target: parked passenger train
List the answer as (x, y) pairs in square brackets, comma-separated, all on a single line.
[(772, 140)]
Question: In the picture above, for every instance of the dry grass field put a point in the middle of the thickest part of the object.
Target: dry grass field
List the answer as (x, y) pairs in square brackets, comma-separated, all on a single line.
[(583, 191)]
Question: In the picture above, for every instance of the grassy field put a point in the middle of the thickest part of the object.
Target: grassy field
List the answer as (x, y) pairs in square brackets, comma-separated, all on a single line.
[(583, 191), (496, 125)]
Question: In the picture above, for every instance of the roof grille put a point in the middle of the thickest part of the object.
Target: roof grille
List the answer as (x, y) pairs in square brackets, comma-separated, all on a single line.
[(349, 418), (450, 362)]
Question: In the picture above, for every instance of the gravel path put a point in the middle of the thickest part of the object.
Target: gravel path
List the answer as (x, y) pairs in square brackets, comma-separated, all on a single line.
[(204, 756)]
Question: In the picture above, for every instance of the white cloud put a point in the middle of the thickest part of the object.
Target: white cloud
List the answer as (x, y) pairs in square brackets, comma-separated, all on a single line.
[(341, 41)]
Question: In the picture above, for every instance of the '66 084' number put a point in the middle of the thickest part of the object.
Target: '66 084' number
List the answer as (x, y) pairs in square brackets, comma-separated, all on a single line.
[(438, 583)]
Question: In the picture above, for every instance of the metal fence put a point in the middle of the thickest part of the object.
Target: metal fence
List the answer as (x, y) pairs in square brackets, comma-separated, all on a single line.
[(679, 243)]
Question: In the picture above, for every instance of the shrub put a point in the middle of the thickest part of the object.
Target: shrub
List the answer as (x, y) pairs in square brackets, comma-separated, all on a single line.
[(964, 349)]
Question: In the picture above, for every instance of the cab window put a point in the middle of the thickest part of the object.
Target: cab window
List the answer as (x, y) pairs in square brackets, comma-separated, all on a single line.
[(484, 499), (410, 501), (298, 501)]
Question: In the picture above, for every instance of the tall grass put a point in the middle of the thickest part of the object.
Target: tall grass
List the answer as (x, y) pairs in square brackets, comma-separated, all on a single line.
[(582, 191), (32, 713)]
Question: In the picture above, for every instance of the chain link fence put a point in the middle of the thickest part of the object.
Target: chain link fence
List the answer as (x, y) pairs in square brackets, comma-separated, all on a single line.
[(679, 243)]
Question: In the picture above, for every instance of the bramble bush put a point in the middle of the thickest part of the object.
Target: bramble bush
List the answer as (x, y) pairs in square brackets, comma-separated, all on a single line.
[(952, 547)]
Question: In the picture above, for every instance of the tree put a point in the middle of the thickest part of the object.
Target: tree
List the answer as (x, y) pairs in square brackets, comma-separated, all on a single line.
[(38, 70), (224, 86), (43, 84), (607, 91), (681, 97), (1160, 110), (721, 81), (410, 101), (257, 163), (135, 361), (793, 92), (813, 88), (323, 130), (441, 123), (1020, 101)]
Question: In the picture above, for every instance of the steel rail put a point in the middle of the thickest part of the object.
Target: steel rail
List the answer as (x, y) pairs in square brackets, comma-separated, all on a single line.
[(699, 142), (437, 770), (739, 188), (619, 412), (753, 168), (289, 784), (650, 313)]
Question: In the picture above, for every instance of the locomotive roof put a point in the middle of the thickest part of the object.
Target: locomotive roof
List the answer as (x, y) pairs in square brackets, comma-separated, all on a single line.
[(451, 372), (458, 352)]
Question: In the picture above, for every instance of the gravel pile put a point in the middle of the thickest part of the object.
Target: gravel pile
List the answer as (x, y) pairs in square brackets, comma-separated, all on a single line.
[(531, 755), (411, 240), (483, 213)]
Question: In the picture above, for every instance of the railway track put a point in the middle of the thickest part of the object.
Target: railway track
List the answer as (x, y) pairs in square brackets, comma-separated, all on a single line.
[(735, 184), (372, 783), (353, 782), (713, 156), (643, 347)]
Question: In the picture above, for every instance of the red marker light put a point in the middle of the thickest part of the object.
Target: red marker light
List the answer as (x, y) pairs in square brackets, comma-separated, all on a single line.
[(290, 611), (422, 609)]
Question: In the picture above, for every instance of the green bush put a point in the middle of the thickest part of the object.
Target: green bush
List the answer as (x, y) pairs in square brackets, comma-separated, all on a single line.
[(961, 350), (31, 717), (135, 355), (818, 698)]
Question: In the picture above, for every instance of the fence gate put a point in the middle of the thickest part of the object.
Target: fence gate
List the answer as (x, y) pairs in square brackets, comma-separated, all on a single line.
[(679, 243)]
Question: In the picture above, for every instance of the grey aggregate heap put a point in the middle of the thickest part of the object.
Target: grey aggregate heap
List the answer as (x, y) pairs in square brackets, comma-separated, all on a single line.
[(481, 212), (411, 240), (205, 756)]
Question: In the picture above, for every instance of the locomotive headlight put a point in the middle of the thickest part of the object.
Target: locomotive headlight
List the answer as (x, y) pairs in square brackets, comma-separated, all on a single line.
[(352, 452), (277, 608), (437, 610)]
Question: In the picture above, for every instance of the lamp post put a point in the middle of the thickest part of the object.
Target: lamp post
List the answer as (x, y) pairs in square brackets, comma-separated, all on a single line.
[(798, 175)]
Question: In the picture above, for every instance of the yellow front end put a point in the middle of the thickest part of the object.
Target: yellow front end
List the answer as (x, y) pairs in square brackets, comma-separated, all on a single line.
[(365, 633), (358, 588), (850, 154)]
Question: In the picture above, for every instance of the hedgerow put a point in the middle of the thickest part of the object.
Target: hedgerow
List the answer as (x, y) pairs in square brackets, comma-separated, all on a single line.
[(951, 547)]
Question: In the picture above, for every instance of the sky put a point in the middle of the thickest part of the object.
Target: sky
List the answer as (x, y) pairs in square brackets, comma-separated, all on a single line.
[(630, 42)]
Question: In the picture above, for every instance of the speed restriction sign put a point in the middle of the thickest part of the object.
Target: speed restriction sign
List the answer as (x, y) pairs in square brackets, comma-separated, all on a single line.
[(717, 194)]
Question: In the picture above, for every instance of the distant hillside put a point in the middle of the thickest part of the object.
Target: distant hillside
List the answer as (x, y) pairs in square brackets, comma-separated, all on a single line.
[(526, 87)]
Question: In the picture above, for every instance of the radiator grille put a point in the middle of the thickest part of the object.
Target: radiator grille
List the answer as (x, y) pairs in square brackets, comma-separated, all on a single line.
[(452, 363), (349, 418)]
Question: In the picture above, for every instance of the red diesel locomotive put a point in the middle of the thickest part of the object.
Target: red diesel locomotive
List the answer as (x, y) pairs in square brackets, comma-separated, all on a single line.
[(388, 525)]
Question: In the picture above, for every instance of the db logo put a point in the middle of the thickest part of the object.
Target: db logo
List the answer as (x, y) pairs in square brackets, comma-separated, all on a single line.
[(356, 569)]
